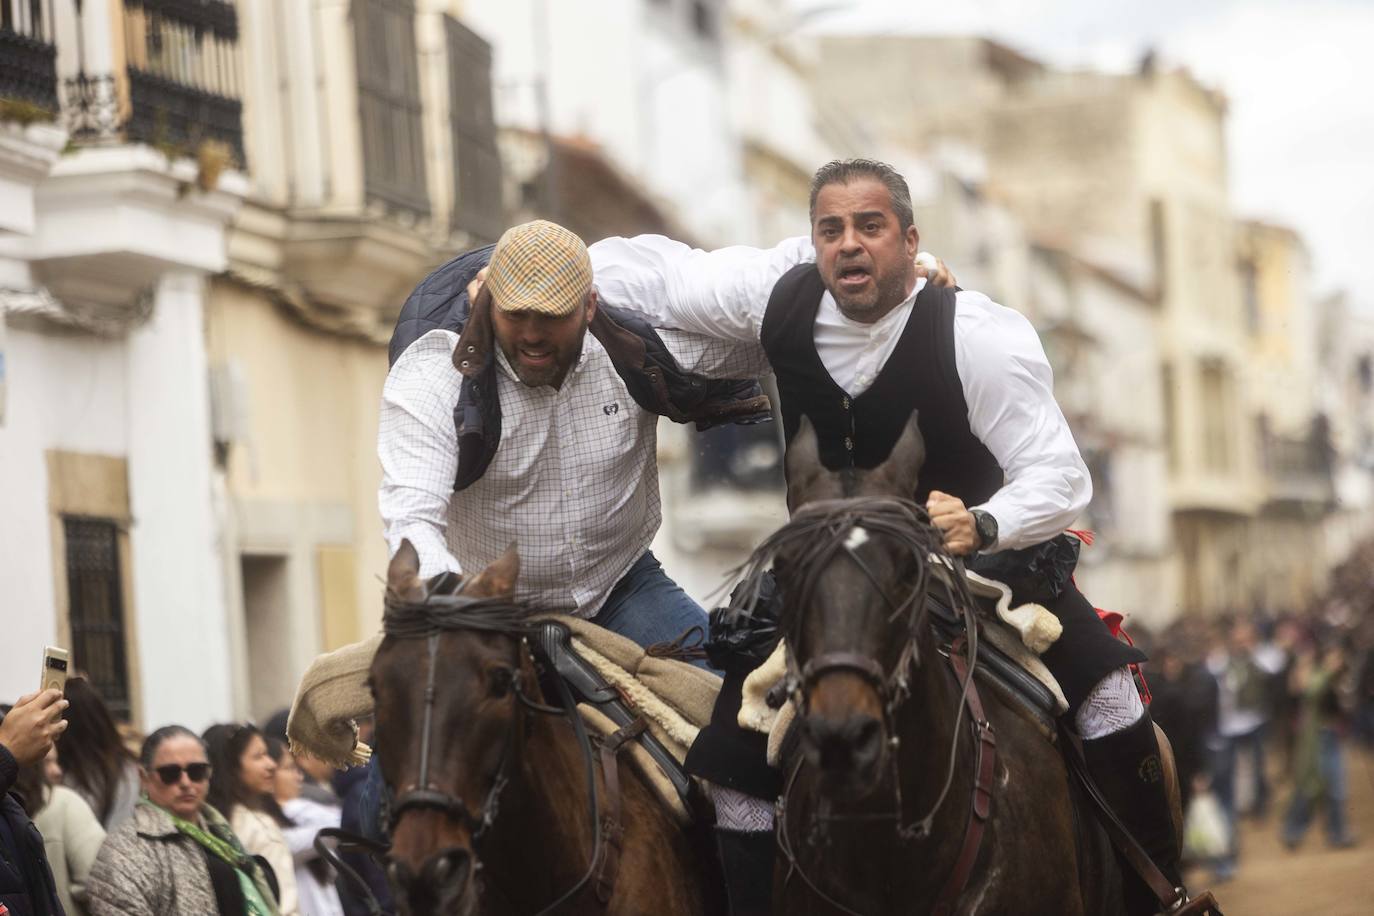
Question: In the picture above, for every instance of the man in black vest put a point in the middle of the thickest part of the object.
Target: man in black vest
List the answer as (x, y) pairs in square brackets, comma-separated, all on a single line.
[(857, 341)]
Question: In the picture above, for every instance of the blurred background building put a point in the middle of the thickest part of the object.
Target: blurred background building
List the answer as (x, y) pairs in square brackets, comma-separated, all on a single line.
[(211, 212)]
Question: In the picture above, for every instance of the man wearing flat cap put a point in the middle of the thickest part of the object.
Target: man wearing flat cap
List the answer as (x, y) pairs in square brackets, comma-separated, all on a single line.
[(527, 429)]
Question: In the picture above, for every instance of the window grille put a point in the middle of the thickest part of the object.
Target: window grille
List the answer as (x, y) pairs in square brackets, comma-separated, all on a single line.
[(389, 104), (96, 608), (477, 191)]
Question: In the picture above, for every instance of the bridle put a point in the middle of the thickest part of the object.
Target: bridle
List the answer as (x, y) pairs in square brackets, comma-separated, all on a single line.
[(819, 533), (430, 619)]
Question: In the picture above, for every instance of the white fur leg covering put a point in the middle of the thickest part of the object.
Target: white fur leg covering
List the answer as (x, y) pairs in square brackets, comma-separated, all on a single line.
[(1113, 705), (738, 811)]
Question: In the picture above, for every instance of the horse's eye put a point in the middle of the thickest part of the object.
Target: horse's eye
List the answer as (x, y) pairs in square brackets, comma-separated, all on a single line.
[(499, 682)]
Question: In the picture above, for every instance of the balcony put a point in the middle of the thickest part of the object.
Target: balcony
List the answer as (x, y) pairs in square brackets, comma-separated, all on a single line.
[(179, 90), (1299, 471), (28, 61)]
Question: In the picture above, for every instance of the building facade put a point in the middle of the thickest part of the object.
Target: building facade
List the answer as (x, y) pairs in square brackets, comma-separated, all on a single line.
[(372, 156), (117, 197)]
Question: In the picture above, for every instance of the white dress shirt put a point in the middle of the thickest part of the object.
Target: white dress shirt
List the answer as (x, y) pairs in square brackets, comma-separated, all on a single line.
[(573, 483), (1006, 378)]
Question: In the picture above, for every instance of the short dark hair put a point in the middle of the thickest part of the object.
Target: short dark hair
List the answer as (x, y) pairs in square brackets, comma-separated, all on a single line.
[(154, 741), (843, 171)]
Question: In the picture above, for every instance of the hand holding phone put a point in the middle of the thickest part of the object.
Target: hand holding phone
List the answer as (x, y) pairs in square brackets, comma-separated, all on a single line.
[(54, 669)]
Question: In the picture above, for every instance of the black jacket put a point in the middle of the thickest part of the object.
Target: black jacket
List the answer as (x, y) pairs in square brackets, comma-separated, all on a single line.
[(26, 882), (651, 375)]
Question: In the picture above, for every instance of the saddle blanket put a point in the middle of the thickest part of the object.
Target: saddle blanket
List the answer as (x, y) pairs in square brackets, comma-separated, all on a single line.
[(674, 698)]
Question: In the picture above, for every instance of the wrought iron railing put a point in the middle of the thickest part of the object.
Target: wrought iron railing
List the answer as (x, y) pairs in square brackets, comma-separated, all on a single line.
[(28, 56), (180, 86), (183, 73)]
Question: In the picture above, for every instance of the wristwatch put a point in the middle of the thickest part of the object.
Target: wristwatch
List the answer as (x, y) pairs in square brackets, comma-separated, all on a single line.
[(985, 526)]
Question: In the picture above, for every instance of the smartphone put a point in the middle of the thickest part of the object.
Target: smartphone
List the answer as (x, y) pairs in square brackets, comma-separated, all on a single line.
[(54, 669)]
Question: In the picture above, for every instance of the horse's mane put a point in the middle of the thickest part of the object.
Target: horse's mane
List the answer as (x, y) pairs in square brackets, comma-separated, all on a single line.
[(818, 530), (437, 613)]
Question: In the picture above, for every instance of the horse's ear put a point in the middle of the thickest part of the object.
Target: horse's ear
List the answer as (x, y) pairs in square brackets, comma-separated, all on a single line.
[(901, 470), (498, 579), (403, 573), (802, 466)]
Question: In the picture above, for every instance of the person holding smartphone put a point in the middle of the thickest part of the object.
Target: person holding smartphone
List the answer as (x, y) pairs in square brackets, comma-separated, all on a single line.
[(27, 733)]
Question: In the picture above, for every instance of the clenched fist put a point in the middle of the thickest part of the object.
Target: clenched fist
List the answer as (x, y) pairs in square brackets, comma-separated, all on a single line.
[(951, 517)]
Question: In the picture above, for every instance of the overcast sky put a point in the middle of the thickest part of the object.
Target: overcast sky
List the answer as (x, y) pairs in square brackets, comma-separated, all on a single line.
[(1299, 75)]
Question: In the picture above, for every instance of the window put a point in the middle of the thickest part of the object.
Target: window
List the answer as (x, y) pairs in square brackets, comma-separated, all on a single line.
[(389, 104), (1166, 377), (1159, 248), (477, 192), (704, 19), (1249, 289), (96, 608), (1216, 439)]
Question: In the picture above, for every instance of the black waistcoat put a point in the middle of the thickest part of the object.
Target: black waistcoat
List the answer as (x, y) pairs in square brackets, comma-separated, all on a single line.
[(920, 375)]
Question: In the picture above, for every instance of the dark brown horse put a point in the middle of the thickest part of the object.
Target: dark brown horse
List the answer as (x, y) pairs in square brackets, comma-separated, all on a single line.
[(492, 807), (878, 805)]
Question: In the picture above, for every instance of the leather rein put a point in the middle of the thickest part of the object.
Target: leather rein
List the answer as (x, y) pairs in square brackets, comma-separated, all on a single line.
[(907, 522), (429, 620)]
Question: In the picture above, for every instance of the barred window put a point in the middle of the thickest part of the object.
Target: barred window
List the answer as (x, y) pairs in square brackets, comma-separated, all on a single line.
[(477, 195), (96, 608), (389, 104)]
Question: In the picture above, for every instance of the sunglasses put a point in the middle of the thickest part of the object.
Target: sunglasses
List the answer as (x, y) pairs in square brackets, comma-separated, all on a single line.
[(171, 773)]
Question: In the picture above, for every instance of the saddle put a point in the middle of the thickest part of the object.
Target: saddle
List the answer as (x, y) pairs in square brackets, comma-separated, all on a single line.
[(651, 707)]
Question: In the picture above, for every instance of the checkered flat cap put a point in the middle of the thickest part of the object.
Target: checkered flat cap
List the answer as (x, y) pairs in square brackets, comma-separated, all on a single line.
[(539, 267)]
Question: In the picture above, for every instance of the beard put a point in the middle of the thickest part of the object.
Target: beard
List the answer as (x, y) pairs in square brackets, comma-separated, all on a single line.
[(551, 375), (885, 294)]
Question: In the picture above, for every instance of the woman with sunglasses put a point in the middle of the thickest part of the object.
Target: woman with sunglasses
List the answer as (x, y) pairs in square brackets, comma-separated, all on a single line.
[(241, 785), (177, 855)]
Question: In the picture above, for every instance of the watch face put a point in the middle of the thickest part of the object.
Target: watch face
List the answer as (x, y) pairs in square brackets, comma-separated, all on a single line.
[(986, 526)]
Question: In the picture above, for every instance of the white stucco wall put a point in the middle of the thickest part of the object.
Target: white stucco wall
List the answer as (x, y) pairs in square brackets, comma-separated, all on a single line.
[(634, 78), (183, 632), (65, 391)]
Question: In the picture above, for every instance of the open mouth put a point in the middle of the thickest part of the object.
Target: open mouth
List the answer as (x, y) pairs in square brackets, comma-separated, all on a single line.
[(537, 357), (853, 277)]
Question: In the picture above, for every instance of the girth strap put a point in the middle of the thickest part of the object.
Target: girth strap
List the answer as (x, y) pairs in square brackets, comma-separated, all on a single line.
[(984, 768), (612, 820)]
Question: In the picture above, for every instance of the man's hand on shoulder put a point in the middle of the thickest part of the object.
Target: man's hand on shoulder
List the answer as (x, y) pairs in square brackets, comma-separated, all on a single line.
[(936, 271), (949, 514), (31, 727), (476, 284)]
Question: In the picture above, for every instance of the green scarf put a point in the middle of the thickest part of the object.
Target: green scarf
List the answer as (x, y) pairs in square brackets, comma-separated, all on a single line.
[(220, 842)]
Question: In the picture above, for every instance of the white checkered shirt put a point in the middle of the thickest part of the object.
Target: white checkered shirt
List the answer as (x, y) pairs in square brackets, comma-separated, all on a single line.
[(574, 482)]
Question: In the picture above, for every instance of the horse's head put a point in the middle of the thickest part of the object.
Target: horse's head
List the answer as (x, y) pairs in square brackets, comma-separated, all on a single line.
[(851, 569), (445, 680)]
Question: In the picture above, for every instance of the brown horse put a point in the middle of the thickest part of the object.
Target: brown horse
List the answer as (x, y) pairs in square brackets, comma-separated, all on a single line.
[(878, 806), (494, 796)]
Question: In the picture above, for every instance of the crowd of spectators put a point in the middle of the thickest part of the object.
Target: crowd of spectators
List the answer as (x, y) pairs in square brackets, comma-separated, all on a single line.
[(1259, 709), (193, 824)]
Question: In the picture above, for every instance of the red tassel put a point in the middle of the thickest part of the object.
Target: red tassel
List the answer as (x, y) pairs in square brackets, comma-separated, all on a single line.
[(1113, 620), (1084, 535)]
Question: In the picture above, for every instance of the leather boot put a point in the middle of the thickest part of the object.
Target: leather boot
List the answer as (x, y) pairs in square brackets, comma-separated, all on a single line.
[(747, 859), (1127, 769)]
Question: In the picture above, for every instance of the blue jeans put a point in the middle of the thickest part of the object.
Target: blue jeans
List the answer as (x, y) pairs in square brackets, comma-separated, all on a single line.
[(648, 607), (1331, 763), (645, 606)]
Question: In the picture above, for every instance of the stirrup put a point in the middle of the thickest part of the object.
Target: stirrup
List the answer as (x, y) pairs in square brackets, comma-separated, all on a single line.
[(1204, 904)]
